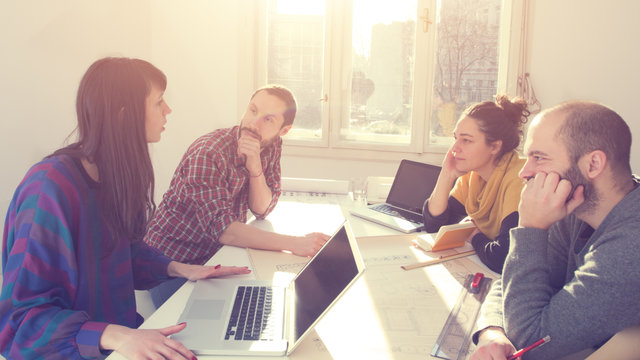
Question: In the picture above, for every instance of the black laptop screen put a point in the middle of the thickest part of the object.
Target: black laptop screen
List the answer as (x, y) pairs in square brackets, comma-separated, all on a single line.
[(412, 185), (322, 281)]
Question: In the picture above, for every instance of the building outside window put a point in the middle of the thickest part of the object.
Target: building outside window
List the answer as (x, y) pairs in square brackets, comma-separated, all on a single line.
[(382, 75)]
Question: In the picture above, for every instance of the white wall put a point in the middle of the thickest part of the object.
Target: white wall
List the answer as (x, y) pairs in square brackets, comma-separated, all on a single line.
[(196, 43), (43, 57), (47, 46), (588, 49)]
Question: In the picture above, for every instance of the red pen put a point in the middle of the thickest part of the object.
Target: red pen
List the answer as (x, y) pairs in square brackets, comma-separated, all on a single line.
[(521, 352)]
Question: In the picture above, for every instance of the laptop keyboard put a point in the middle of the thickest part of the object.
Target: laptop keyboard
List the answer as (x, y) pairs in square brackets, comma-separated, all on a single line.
[(390, 210), (251, 315)]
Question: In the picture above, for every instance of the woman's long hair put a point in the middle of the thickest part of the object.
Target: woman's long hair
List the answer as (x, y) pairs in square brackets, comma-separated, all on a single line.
[(111, 134)]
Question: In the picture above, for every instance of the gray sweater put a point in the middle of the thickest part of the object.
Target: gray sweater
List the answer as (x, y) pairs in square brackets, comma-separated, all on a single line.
[(578, 285)]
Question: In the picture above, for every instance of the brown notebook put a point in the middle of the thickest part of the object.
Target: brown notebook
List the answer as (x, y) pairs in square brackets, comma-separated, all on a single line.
[(448, 237)]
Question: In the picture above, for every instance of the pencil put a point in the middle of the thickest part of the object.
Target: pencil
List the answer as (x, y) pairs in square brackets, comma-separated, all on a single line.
[(521, 352), (439, 260)]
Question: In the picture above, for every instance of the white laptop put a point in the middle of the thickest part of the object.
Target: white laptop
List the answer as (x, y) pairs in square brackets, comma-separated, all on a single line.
[(295, 309), (402, 211)]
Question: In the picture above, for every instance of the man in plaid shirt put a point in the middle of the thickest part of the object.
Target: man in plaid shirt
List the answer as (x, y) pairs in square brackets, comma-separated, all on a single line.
[(221, 176)]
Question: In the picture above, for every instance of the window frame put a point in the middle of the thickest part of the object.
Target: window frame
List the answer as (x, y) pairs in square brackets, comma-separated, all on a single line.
[(337, 86)]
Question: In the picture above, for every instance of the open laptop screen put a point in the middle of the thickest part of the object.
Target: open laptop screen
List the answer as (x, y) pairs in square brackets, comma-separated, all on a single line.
[(412, 184), (323, 280)]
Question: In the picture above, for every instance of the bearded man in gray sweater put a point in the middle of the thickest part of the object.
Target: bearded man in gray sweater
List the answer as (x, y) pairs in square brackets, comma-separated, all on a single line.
[(573, 270)]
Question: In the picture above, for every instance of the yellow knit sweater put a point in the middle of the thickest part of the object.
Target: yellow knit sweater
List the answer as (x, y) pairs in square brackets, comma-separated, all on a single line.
[(489, 202)]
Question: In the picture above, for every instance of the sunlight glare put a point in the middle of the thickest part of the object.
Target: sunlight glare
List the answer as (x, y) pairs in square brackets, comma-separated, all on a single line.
[(358, 306), (445, 284), (283, 278), (367, 13), (300, 7)]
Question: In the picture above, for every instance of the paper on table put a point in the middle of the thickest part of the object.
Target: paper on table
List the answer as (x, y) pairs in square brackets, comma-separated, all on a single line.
[(401, 312), (277, 265), (315, 185), (398, 308)]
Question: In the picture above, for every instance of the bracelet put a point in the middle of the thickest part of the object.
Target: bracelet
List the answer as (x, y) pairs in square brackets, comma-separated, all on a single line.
[(255, 175)]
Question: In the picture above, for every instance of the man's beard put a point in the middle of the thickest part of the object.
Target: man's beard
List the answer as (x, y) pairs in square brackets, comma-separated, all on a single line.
[(591, 197), (251, 131), (263, 142)]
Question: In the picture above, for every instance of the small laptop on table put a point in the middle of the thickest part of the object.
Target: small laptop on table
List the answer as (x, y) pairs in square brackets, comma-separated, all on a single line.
[(402, 210), (252, 317)]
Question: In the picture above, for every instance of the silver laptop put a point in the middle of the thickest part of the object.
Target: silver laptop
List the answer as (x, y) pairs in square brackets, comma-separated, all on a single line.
[(225, 317), (402, 211)]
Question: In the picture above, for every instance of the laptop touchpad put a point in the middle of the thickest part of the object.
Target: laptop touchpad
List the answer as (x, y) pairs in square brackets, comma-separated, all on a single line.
[(206, 309)]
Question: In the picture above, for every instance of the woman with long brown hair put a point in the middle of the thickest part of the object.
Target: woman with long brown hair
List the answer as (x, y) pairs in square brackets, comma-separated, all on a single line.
[(72, 250)]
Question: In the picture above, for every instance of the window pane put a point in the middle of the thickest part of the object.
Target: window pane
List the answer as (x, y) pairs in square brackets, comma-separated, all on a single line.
[(295, 59), (466, 66), (383, 43)]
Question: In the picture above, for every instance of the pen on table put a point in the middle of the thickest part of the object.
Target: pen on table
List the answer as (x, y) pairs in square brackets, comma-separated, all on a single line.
[(521, 352), (439, 260)]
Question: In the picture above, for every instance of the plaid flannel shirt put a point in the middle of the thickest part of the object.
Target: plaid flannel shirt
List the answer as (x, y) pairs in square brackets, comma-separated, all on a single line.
[(209, 191)]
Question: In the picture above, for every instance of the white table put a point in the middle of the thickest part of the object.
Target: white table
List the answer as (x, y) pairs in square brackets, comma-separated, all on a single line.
[(388, 313)]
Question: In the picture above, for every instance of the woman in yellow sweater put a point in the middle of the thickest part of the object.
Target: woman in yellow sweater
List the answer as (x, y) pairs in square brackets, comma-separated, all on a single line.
[(479, 177)]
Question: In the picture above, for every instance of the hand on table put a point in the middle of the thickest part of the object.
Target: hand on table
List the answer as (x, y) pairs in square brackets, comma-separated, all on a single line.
[(309, 244), (197, 272), (145, 344)]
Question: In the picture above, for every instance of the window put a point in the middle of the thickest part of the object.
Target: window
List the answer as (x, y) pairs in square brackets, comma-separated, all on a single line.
[(382, 75), (296, 59)]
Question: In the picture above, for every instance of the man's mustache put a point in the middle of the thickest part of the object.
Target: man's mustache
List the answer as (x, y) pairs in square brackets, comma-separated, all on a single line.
[(251, 131)]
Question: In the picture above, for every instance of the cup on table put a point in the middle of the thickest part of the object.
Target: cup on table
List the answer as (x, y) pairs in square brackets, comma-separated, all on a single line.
[(359, 189)]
